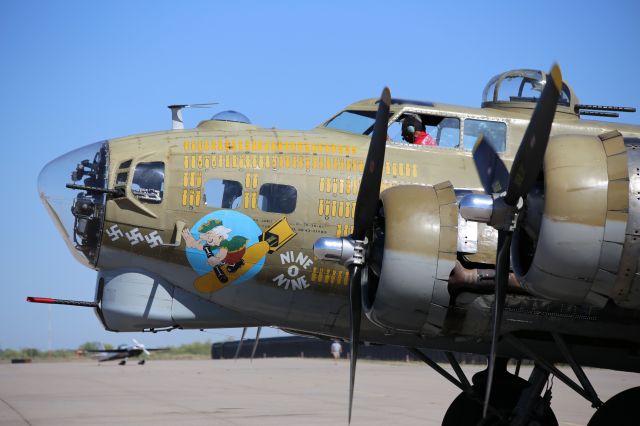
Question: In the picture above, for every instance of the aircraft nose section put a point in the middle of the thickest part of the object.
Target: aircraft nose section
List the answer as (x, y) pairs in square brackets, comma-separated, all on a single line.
[(72, 188)]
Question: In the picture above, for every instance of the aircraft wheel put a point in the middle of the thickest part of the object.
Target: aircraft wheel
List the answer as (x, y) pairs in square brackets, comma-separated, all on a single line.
[(621, 410), (466, 409), (141, 362)]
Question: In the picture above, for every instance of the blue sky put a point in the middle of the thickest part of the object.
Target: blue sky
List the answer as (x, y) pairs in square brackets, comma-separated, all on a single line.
[(77, 72)]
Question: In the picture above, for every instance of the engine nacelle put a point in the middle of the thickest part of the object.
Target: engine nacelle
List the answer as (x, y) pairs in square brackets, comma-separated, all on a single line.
[(134, 300), (585, 246), (420, 244)]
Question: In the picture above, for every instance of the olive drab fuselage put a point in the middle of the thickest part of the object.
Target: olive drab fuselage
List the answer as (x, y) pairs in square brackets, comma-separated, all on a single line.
[(214, 226)]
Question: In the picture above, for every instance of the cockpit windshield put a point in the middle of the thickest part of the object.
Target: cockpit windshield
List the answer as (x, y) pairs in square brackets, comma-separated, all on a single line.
[(358, 122)]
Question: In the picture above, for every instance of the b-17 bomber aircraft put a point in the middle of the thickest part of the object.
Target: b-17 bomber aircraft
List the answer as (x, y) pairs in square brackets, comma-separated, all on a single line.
[(510, 230), (124, 352)]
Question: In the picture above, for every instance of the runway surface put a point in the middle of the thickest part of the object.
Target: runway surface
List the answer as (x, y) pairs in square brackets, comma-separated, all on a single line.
[(265, 392)]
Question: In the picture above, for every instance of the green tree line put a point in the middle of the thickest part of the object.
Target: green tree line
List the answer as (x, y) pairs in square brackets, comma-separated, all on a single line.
[(189, 350)]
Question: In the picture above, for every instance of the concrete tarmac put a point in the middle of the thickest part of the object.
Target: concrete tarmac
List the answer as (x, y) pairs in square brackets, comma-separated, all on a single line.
[(265, 392)]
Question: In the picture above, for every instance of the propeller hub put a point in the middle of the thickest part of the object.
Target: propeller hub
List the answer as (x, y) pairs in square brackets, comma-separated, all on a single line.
[(346, 251), (476, 207), (494, 212), (504, 215)]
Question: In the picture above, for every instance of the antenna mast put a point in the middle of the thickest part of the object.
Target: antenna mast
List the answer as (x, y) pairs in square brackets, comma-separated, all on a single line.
[(176, 113)]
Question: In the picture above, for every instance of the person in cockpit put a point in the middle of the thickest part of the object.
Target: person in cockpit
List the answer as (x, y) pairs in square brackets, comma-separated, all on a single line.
[(413, 131)]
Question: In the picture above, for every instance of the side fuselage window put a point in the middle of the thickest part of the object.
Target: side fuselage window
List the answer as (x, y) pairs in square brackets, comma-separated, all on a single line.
[(122, 176), (222, 193), (494, 132), (276, 198), (148, 182)]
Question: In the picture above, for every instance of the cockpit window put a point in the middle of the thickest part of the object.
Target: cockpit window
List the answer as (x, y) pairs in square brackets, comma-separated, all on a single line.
[(358, 122), (276, 198), (222, 193), (494, 132), (148, 182), (429, 130)]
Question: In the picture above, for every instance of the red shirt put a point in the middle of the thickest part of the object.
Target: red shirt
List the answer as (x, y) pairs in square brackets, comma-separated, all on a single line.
[(424, 138)]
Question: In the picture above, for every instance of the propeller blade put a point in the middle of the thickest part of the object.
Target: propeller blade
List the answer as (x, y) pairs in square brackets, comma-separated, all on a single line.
[(355, 313), (369, 192), (141, 346), (524, 172), (502, 279), (492, 171), (366, 205), (528, 160)]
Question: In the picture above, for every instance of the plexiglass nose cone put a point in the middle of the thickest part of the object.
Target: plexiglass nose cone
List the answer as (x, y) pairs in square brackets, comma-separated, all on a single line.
[(77, 213)]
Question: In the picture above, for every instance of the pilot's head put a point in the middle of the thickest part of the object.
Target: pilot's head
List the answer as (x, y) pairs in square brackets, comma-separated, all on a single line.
[(410, 125)]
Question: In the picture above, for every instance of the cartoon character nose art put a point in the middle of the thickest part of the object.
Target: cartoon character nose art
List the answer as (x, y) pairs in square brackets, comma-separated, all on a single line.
[(226, 247)]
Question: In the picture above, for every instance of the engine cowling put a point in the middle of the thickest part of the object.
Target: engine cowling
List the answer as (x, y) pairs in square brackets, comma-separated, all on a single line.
[(420, 244), (578, 239)]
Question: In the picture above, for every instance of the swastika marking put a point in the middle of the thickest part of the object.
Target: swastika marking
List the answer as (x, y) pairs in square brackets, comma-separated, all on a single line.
[(153, 239), (114, 233), (134, 236)]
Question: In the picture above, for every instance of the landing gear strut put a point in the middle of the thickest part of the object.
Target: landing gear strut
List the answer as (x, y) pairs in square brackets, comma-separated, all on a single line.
[(518, 402), (513, 401)]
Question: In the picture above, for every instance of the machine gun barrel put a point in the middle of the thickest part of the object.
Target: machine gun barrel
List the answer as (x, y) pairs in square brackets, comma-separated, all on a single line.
[(49, 300), (599, 113), (580, 107)]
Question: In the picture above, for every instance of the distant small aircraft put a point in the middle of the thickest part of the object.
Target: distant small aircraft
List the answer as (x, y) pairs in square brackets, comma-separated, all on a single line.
[(123, 352)]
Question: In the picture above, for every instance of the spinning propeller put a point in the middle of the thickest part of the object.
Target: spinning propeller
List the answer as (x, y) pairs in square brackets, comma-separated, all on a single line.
[(139, 345), (350, 250), (526, 167), (366, 207)]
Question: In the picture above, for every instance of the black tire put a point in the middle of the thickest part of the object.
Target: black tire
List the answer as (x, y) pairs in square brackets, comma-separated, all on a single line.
[(466, 410), (622, 409)]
